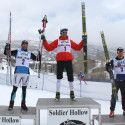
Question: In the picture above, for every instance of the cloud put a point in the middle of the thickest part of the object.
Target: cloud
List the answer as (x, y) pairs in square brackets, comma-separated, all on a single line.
[(107, 15)]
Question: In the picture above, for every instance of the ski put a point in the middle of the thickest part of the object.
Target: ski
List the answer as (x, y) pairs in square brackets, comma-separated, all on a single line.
[(41, 32), (107, 57), (84, 32), (9, 66)]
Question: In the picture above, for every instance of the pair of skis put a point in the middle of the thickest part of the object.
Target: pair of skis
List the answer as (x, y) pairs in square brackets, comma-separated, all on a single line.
[(84, 33), (107, 57), (41, 32)]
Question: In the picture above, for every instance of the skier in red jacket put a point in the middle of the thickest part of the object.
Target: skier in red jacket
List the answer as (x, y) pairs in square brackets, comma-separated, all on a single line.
[(64, 58)]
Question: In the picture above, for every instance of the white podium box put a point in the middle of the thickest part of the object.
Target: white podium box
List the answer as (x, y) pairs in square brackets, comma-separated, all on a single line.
[(16, 112), (116, 120), (80, 106)]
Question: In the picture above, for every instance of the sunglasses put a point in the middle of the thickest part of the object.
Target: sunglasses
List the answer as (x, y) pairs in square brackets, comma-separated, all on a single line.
[(120, 50)]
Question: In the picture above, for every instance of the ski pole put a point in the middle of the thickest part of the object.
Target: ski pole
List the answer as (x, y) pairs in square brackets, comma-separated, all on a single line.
[(41, 32)]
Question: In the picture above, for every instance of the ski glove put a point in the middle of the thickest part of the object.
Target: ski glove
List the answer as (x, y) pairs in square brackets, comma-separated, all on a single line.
[(108, 66), (7, 47), (40, 31), (84, 38), (43, 37)]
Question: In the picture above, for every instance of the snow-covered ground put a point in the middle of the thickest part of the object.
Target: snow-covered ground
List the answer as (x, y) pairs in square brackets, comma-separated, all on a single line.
[(33, 95), (45, 86)]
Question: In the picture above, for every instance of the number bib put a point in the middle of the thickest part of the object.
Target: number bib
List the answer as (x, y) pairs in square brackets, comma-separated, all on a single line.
[(119, 66), (64, 46), (23, 58)]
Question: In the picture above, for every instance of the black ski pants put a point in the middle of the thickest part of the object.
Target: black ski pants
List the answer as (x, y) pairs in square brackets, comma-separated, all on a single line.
[(119, 85), (67, 65)]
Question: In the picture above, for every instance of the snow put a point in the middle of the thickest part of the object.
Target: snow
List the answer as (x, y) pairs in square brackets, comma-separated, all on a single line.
[(45, 86), (33, 95)]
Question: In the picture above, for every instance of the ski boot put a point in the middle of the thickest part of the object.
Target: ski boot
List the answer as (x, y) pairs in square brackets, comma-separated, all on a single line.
[(11, 106), (23, 106), (111, 114), (57, 98), (123, 112), (72, 96)]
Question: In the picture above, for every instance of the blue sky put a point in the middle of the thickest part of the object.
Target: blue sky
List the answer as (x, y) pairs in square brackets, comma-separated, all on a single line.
[(107, 15)]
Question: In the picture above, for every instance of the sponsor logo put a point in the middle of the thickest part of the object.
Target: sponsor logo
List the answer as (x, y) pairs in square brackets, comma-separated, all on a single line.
[(67, 112), (72, 122)]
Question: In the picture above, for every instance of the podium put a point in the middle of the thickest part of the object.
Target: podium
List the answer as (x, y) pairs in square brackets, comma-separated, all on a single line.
[(63, 112), (17, 113), (116, 120), (81, 107)]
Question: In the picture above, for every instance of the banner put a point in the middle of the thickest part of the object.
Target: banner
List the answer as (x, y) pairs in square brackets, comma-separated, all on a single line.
[(68, 116), (10, 120)]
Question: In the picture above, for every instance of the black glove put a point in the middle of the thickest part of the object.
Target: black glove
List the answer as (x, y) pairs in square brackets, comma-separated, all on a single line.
[(108, 66), (7, 48), (84, 38), (43, 37), (40, 31)]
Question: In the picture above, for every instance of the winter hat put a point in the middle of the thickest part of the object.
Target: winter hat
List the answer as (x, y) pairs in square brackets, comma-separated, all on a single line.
[(24, 42), (63, 30), (120, 49)]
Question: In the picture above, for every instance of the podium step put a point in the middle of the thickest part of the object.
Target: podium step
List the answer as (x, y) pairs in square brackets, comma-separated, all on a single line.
[(30, 114), (65, 111), (44, 103), (116, 120)]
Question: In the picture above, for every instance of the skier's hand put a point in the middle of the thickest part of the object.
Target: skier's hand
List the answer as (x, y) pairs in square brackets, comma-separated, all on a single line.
[(7, 46), (108, 66), (43, 37), (7, 49), (39, 31), (84, 38), (39, 57)]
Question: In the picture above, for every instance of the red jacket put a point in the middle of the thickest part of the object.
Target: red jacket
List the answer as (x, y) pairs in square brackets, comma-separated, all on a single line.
[(62, 56)]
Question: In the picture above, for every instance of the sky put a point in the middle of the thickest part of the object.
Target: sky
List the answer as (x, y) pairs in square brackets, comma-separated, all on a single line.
[(106, 15)]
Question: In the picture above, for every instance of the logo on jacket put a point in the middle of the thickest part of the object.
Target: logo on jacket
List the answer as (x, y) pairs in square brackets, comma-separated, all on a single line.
[(118, 64)]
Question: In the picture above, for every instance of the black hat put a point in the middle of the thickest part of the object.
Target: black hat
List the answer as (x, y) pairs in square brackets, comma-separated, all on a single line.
[(24, 42), (120, 49), (63, 30)]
